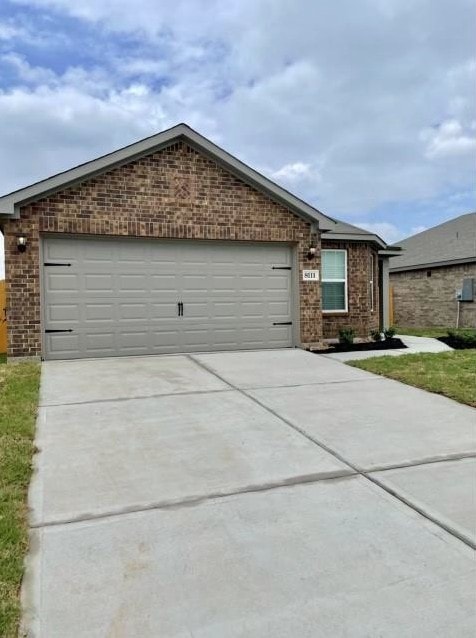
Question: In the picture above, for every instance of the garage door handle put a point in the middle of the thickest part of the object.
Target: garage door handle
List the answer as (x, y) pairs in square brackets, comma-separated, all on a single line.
[(51, 263), (283, 323), (68, 330), (180, 309)]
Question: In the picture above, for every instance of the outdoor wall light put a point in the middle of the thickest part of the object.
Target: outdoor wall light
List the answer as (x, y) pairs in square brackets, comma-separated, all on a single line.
[(311, 252), (21, 243)]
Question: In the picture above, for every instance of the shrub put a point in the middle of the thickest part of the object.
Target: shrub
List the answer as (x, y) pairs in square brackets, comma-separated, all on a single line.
[(389, 333), (463, 338), (346, 336), (376, 335)]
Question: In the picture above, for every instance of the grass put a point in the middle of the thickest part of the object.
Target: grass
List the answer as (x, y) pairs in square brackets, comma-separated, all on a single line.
[(452, 374), (19, 386)]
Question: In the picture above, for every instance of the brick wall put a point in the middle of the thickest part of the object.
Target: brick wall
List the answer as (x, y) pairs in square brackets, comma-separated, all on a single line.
[(359, 315), (174, 193), (421, 300)]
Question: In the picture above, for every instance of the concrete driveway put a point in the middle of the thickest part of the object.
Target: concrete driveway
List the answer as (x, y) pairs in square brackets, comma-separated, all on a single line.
[(249, 494)]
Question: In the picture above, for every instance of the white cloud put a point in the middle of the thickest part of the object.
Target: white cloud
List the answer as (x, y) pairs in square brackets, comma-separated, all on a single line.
[(10, 31), (450, 139), (58, 127), (26, 72), (295, 172), (141, 66), (333, 108), (146, 16)]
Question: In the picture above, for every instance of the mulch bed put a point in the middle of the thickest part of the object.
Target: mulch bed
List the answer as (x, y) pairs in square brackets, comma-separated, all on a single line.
[(457, 344), (388, 344)]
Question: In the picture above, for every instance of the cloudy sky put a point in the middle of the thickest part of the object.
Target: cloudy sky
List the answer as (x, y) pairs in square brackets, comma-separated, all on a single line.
[(364, 108)]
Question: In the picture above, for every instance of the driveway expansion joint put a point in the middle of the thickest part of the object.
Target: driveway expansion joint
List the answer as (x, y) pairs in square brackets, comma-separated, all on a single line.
[(199, 500), (298, 385), (464, 538), (428, 461), (137, 398), (366, 474)]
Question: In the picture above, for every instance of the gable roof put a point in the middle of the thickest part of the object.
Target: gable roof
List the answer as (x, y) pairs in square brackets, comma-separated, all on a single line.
[(10, 203), (453, 242)]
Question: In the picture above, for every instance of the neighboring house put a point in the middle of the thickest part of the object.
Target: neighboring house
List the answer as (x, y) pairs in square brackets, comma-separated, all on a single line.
[(436, 268), (173, 245)]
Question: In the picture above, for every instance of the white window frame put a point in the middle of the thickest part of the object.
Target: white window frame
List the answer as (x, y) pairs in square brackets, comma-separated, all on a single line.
[(345, 280)]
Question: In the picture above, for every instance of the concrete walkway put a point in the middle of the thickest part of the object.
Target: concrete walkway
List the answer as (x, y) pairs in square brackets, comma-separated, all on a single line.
[(414, 345), (249, 494)]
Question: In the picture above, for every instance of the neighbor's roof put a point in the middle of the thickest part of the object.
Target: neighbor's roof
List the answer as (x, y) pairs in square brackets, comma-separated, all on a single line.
[(10, 204), (453, 242)]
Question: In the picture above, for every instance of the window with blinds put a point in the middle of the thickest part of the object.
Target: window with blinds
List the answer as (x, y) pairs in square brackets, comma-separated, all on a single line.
[(334, 280)]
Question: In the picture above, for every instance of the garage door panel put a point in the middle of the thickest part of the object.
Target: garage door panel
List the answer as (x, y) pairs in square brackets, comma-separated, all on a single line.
[(95, 342), (64, 312), (90, 251), (223, 309), (133, 340), (94, 311), (252, 282), (121, 296), (101, 282), (197, 337), (164, 282), (196, 310), (166, 338), (60, 251), (132, 283), (63, 345), (133, 311), (163, 310), (279, 308), (225, 283), (62, 282)]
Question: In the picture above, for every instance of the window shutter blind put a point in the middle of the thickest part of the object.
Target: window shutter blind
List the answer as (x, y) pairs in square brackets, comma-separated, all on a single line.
[(333, 265)]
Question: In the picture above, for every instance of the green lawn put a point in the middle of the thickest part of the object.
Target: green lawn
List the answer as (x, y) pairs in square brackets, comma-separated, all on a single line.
[(450, 373), (18, 405)]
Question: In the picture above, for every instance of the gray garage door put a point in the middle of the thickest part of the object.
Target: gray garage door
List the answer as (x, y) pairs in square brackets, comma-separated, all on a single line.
[(132, 297)]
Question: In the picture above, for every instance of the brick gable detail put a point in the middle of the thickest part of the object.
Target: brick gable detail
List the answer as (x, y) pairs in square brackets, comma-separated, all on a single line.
[(174, 193)]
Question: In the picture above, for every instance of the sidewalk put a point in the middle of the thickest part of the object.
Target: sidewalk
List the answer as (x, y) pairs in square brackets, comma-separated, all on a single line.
[(414, 345)]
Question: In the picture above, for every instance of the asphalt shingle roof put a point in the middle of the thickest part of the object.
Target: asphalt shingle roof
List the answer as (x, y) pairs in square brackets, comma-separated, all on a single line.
[(452, 241)]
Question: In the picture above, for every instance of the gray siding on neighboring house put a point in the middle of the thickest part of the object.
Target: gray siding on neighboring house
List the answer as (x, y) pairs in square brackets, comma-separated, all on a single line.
[(422, 300)]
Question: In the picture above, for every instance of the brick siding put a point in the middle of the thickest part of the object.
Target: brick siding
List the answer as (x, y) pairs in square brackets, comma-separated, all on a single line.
[(359, 316), (174, 193), (421, 300)]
